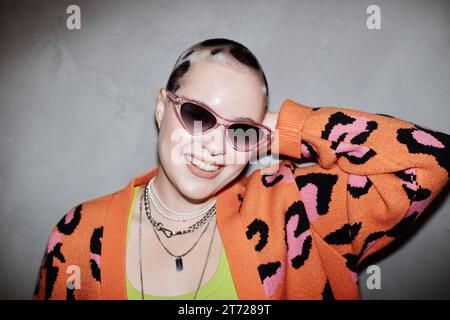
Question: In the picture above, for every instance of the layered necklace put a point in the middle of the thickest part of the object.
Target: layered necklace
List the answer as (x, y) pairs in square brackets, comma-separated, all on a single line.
[(208, 213), (175, 216)]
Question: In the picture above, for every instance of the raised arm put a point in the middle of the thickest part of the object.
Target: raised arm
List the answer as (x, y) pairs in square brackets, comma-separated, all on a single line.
[(377, 173)]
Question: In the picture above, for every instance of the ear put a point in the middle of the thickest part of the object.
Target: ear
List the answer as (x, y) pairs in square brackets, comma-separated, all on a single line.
[(160, 106)]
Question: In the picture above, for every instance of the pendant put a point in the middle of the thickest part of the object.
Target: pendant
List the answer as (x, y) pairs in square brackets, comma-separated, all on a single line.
[(179, 263)]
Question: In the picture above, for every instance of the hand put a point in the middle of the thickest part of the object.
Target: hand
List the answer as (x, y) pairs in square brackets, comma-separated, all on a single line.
[(270, 120)]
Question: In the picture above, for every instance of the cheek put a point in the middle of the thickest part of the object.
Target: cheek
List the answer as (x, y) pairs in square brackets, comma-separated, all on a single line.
[(171, 141)]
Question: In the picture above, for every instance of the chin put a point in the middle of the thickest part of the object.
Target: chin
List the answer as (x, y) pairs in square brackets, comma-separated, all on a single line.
[(195, 191), (197, 188)]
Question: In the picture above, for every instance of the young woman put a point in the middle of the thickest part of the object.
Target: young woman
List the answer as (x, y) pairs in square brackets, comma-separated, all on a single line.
[(197, 228)]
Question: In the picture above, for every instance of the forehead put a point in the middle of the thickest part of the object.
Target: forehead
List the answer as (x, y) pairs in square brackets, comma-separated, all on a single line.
[(230, 92)]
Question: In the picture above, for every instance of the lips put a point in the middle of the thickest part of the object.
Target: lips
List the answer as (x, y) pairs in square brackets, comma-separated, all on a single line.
[(202, 169)]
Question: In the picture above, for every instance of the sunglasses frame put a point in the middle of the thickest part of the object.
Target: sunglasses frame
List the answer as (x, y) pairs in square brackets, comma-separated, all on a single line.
[(178, 101)]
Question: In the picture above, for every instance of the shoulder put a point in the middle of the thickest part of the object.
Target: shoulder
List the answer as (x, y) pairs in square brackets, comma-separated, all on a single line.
[(84, 216), (79, 232), (74, 247)]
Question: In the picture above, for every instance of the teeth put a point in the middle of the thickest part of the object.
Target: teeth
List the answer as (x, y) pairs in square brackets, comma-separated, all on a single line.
[(202, 165)]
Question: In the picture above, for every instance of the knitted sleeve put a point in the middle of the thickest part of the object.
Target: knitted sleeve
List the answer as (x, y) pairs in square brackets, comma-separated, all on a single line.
[(377, 173)]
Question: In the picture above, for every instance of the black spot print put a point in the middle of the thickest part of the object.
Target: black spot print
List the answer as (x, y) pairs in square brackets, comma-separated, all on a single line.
[(410, 178), (357, 192), (258, 226), (68, 227), (51, 271), (344, 235), (324, 184), (269, 181), (327, 293), (96, 248), (300, 260), (267, 270), (339, 118), (441, 154), (297, 208)]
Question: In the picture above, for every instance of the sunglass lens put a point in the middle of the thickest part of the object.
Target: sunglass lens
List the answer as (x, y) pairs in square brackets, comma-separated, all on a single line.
[(196, 117), (245, 136)]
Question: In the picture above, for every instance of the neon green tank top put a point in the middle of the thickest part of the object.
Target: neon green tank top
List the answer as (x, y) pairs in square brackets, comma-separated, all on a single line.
[(219, 287)]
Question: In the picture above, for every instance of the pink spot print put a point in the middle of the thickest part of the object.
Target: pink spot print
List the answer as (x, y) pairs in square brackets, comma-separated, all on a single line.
[(352, 149), (418, 206), (69, 216), (96, 258), (426, 139), (357, 181), (271, 283), (352, 129), (410, 185), (309, 196), (305, 152), (269, 179), (295, 244), (285, 172), (287, 175), (55, 238)]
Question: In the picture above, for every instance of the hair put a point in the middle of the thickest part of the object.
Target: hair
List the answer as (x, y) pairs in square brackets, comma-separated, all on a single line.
[(220, 50)]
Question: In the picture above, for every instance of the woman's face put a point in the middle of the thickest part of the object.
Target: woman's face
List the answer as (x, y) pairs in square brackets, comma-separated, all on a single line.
[(199, 166)]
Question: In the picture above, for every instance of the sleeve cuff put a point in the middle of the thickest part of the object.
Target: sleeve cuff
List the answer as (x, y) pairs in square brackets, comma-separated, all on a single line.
[(290, 122)]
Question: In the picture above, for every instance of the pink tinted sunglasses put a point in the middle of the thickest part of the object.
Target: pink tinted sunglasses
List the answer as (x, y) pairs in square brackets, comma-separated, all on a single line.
[(197, 118)]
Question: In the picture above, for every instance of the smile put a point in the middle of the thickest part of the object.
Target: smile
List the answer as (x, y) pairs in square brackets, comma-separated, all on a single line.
[(202, 165)]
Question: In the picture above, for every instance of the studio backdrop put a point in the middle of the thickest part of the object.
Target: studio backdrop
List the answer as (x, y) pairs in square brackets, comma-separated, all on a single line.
[(77, 100)]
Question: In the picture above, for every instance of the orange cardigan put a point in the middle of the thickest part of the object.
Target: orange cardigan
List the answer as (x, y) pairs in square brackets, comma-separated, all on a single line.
[(289, 232)]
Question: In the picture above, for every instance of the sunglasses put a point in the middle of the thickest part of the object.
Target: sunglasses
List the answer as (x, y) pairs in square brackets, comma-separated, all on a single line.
[(197, 118)]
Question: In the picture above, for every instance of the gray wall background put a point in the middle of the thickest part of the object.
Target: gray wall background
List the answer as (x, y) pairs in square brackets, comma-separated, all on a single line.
[(76, 107)]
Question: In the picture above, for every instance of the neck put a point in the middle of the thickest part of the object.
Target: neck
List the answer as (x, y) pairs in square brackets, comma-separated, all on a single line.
[(172, 198)]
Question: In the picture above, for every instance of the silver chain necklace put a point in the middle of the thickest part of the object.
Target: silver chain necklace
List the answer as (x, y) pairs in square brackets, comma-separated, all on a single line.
[(167, 232), (176, 216), (140, 252)]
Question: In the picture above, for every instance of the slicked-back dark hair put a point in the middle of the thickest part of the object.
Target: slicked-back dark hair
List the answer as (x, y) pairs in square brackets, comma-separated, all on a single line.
[(219, 50)]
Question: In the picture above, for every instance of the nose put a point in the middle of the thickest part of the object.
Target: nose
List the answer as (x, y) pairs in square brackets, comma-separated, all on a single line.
[(214, 141)]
